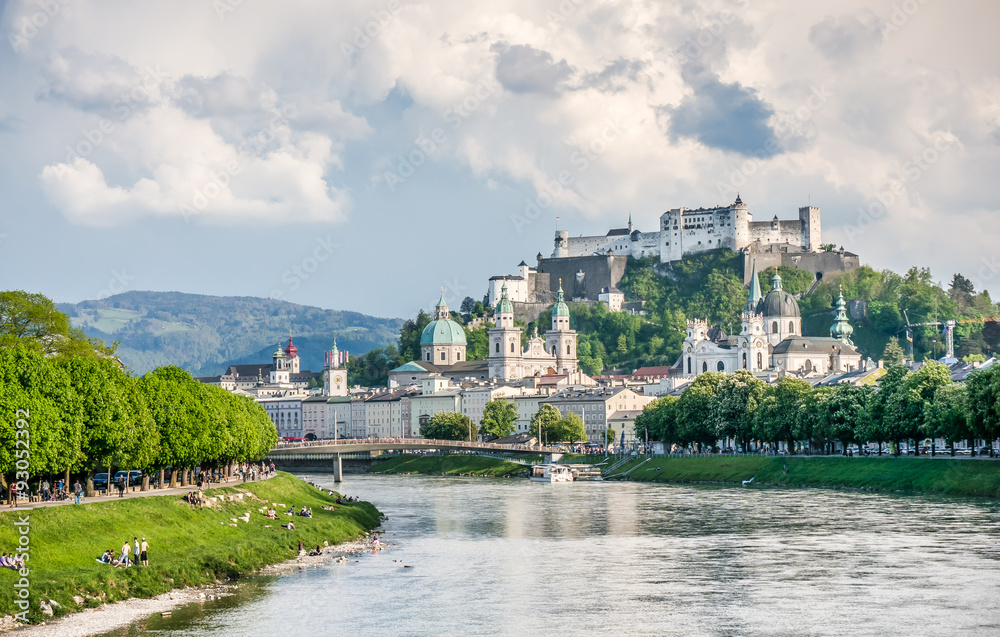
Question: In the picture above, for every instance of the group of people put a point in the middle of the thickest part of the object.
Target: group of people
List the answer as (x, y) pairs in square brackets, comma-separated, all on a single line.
[(129, 556), (195, 498), (49, 492), (11, 561), (305, 512)]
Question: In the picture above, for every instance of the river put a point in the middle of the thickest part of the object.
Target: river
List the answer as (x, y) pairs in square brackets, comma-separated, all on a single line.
[(511, 557)]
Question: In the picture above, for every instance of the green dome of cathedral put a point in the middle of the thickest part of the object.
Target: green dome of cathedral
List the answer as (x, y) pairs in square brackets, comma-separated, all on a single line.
[(442, 330), (504, 306), (560, 308)]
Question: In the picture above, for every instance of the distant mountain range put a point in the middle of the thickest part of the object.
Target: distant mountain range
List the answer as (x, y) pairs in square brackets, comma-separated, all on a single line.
[(205, 334)]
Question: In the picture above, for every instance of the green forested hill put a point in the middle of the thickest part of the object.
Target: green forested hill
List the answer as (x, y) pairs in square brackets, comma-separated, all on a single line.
[(203, 334)]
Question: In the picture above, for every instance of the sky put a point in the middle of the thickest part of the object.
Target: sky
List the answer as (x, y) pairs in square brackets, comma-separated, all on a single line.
[(363, 155)]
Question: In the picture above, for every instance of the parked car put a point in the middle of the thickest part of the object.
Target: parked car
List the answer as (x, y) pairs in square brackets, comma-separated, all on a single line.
[(132, 478), (101, 481)]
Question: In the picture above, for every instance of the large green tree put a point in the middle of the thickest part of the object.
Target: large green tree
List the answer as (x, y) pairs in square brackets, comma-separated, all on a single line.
[(499, 417), (449, 425), (33, 321), (736, 399), (947, 415), (904, 413), (845, 413), (778, 416), (119, 431), (658, 420), (983, 388), (547, 418), (695, 420)]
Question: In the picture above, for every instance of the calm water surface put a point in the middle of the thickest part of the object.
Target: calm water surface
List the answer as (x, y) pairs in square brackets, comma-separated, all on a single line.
[(511, 557)]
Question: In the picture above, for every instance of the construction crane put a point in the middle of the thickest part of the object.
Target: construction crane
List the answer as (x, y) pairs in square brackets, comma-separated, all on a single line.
[(949, 333)]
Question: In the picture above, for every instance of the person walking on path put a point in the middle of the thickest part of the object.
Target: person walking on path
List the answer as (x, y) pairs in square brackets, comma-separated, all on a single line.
[(13, 494), (77, 492), (45, 491), (121, 487), (142, 552)]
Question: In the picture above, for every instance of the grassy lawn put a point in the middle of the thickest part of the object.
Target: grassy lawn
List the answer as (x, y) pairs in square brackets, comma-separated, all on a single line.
[(923, 475), (188, 546), (456, 464)]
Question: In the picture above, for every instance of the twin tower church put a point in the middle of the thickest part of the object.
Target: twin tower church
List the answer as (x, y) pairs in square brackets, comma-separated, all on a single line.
[(771, 340), (443, 348)]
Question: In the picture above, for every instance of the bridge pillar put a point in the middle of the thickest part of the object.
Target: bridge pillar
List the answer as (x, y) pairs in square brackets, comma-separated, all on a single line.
[(338, 468)]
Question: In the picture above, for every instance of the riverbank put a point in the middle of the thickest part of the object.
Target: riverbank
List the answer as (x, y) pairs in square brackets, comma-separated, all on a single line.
[(944, 476), (189, 546), (454, 464)]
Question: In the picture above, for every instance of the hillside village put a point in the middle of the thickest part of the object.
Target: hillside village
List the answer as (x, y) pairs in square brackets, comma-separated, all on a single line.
[(762, 328)]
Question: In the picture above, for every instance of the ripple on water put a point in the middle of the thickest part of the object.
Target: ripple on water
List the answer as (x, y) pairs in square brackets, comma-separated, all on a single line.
[(509, 557)]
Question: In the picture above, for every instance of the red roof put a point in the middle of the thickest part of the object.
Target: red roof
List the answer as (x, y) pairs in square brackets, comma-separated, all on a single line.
[(651, 372), (291, 350)]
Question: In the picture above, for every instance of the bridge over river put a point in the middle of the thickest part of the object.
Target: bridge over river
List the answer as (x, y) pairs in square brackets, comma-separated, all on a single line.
[(332, 450)]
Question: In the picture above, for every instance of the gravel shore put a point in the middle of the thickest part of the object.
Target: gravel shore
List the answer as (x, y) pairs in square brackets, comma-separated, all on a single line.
[(95, 621)]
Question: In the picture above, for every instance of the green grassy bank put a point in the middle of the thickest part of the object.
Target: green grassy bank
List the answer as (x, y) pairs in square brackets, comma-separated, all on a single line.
[(967, 477), (456, 464), (188, 546)]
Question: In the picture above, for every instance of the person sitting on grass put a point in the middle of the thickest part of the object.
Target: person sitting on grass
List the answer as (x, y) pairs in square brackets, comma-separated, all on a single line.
[(316, 551), (105, 557), (4, 562), (290, 526)]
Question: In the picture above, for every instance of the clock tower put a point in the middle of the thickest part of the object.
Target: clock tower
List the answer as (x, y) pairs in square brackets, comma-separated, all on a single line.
[(334, 376)]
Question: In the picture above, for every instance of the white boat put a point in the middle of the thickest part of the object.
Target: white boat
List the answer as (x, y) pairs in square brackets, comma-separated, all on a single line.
[(551, 473)]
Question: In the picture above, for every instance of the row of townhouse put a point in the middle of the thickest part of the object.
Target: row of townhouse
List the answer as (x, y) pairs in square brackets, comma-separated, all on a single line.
[(402, 413)]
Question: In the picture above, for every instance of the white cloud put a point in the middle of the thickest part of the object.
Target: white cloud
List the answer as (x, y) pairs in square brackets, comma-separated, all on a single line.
[(564, 71)]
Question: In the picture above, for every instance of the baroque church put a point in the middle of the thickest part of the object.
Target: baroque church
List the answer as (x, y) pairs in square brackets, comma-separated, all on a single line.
[(770, 340), (443, 348)]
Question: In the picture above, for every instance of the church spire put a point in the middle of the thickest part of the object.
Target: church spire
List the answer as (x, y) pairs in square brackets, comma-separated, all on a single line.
[(755, 292), (842, 328)]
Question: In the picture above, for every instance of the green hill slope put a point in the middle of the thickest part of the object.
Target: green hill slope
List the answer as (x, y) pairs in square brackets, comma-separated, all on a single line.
[(203, 334)]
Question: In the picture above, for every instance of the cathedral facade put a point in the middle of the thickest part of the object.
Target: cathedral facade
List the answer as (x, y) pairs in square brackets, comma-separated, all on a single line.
[(555, 352), (770, 339)]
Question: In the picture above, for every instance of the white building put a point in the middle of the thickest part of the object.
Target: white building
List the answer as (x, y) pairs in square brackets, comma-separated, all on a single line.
[(770, 340), (613, 298), (286, 414), (685, 231)]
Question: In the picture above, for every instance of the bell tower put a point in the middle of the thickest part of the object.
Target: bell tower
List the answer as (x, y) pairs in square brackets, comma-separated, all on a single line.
[(334, 377), (560, 341), (505, 341)]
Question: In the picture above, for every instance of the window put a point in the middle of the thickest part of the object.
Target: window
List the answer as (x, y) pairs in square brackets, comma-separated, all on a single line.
[(428, 356), (704, 366), (512, 348), (774, 327), (721, 366), (458, 355), (442, 356), (568, 352), (760, 360), (791, 327), (689, 364), (744, 360), (498, 348)]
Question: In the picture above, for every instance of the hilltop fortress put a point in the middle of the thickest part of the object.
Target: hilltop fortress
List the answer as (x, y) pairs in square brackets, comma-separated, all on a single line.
[(594, 265)]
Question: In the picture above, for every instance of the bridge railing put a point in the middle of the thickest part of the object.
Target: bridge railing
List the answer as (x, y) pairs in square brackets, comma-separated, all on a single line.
[(357, 442)]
